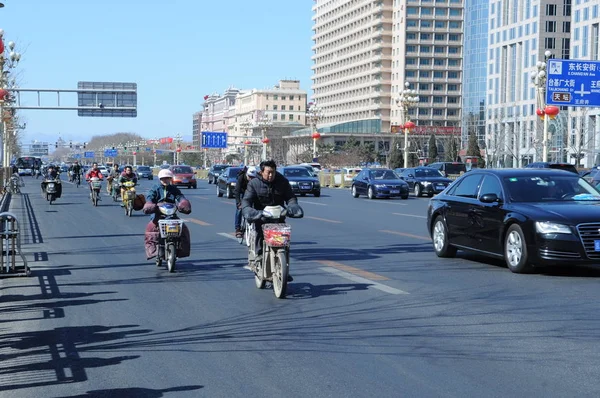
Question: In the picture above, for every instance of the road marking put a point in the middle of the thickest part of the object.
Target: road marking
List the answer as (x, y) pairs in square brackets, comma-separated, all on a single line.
[(313, 203), (427, 238), (387, 203), (358, 279), (323, 219), (408, 215), (228, 203), (202, 197), (227, 235), (199, 222), (352, 270)]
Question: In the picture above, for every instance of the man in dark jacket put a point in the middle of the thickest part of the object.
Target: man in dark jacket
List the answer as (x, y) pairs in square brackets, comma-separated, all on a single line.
[(268, 189), (244, 176)]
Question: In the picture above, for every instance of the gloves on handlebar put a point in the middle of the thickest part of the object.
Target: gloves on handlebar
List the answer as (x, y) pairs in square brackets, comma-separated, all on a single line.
[(295, 211), (252, 214), (184, 206), (150, 208)]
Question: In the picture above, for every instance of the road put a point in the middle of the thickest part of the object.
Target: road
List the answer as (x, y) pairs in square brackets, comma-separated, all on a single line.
[(371, 311)]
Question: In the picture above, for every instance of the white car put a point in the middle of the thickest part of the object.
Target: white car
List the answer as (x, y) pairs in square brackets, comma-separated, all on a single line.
[(103, 170)]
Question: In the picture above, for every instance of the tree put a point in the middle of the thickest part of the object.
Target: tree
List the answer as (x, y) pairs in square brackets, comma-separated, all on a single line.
[(433, 149), (452, 152), (233, 158), (413, 158), (396, 157)]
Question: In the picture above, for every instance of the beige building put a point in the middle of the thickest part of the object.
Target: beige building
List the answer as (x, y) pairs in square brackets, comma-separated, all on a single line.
[(352, 56)]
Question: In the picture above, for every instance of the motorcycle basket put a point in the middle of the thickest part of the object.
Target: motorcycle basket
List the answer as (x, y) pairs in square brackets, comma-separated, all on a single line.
[(170, 228), (277, 235), (130, 195), (96, 184)]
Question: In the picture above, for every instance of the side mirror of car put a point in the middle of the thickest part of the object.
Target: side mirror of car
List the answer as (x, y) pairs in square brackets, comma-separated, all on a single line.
[(490, 198)]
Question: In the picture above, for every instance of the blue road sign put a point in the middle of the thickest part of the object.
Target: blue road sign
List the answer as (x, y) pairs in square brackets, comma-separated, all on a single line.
[(110, 153), (88, 154), (77, 156), (159, 152), (148, 149), (214, 139), (573, 83)]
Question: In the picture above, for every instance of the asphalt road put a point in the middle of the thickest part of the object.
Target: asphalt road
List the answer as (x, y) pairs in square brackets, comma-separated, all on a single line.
[(371, 311)]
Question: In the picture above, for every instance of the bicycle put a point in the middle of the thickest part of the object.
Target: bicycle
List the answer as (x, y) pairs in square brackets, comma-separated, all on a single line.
[(245, 232), (77, 180)]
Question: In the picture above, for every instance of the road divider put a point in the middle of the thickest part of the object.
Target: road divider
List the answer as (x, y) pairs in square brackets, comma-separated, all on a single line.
[(427, 238)]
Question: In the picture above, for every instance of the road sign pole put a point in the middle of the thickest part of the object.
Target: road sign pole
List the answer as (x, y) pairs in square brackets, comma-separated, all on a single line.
[(545, 143)]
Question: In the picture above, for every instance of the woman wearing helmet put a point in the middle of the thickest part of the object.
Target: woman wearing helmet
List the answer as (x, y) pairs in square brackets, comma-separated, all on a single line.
[(163, 191), (245, 175)]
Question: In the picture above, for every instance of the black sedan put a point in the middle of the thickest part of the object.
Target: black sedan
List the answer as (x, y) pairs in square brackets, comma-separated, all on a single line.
[(425, 180), (227, 181), (527, 217), (302, 180), (215, 171), (379, 183)]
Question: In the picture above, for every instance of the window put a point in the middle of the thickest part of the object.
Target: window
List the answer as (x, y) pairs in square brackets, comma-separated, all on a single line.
[(452, 75), (438, 74), (550, 26), (441, 12), (453, 37), (426, 11), (283, 97), (424, 73), (424, 61), (411, 23), (550, 42), (275, 116), (274, 107), (453, 100), (452, 87), (425, 24), (438, 100), (453, 62), (454, 25), (438, 87), (491, 185), (425, 36), (411, 49), (412, 11), (291, 118), (425, 49), (291, 107), (282, 106), (440, 24), (440, 36), (411, 36), (275, 97), (468, 187), (439, 49), (452, 50), (424, 86), (439, 62), (282, 117), (438, 112), (566, 26), (291, 97), (550, 9), (455, 12)]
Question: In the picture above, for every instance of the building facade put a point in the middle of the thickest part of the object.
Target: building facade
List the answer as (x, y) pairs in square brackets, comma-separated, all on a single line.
[(196, 129), (520, 33), (352, 62)]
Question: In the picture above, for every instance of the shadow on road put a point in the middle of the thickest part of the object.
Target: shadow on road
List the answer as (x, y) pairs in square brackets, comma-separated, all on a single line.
[(308, 290), (134, 392), (347, 254)]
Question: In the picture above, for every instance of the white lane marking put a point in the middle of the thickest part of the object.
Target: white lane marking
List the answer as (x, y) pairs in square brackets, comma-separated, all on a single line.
[(386, 203), (226, 235), (408, 215), (358, 279), (313, 203)]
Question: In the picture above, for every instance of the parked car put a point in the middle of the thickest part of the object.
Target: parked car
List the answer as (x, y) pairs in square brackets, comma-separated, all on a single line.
[(379, 183), (592, 176), (183, 175), (227, 181), (302, 180), (350, 173), (524, 216), (556, 166), (449, 168), (215, 171), (144, 172), (425, 180)]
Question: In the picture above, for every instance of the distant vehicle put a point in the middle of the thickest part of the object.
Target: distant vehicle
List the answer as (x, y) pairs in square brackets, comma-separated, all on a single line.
[(215, 171), (379, 183), (27, 164), (227, 181), (555, 166), (184, 175), (144, 172), (425, 180), (449, 168), (302, 180)]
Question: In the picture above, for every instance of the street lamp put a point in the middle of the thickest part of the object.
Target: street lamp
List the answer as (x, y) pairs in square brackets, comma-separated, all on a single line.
[(538, 78), (6, 63), (407, 99), (247, 126), (264, 123), (314, 113)]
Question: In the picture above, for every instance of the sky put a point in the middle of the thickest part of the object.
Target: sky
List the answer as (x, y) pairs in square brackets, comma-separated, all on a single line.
[(176, 51)]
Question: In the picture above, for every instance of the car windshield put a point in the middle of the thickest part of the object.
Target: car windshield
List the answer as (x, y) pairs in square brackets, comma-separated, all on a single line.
[(562, 166), (182, 170), (455, 168), (428, 173), (220, 168), (234, 171), (299, 172), (143, 168), (550, 188), (383, 175)]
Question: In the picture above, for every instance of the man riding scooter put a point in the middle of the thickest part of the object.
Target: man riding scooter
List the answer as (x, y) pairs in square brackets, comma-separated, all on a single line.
[(127, 176), (52, 174), (165, 192)]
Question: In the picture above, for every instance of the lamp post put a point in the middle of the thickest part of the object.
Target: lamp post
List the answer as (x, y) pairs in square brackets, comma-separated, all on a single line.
[(6, 63), (177, 148), (246, 126), (264, 123), (314, 113), (407, 99), (538, 78)]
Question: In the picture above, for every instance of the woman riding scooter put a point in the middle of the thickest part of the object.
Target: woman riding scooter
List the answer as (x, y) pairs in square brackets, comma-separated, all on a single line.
[(165, 192)]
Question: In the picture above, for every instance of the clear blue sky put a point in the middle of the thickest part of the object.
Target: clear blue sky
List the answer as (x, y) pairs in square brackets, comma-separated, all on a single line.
[(176, 51)]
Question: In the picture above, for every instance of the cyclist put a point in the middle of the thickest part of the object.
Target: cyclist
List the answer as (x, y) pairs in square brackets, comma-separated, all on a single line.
[(76, 172), (94, 172), (244, 176), (113, 176), (128, 175)]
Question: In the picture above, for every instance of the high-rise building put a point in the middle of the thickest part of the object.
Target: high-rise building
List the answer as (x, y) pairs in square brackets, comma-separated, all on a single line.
[(352, 56), (519, 36), (196, 129)]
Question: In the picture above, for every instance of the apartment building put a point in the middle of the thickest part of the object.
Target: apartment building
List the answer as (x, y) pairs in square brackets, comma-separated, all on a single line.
[(352, 56), (196, 129), (584, 128), (520, 32)]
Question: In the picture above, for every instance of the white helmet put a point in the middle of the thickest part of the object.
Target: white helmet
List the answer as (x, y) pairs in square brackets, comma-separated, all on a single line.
[(164, 173), (251, 172)]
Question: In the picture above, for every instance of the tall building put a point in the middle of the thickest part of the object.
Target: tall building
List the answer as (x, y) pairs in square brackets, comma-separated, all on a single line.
[(584, 126), (196, 129), (352, 56), (519, 35), (216, 110)]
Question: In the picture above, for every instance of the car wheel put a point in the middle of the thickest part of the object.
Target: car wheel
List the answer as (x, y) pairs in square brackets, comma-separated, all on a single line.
[(229, 193), (417, 190), (440, 239), (219, 194), (209, 180), (430, 195), (317, 194), (195, 186), (371, 193), (354, 192), (404, 196), (515, 250)]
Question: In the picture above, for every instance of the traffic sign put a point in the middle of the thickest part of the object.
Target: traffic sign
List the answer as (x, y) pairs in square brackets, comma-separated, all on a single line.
[(110, 153), (88, 154), (214, 139), (573, 83), (77, 156)]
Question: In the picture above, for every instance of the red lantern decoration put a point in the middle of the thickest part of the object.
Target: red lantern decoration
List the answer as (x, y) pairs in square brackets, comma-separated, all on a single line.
[(163, 140), (266, 140), (540, 112), (1, 46), (551, 111), (134, 153), (3, 94), (409, 125), (247, 142), (169, 140), (205, 97), (178, 149), (316, 135)]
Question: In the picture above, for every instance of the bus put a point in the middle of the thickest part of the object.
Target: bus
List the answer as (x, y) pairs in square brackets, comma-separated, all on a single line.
[(27, 164)]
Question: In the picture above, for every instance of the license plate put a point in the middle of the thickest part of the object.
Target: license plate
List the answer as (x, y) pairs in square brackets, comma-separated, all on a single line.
[(185, 180), (597, 245), (394, 191), (172, 228)]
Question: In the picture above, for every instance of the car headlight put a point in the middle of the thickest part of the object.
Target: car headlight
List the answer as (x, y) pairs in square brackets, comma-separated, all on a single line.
[(546, 227), (233, 184), (379, 185), (426, 183), (293, 183)]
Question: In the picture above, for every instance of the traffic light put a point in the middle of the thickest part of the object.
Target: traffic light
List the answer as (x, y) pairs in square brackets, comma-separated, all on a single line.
[(84, 145), (137, 148), (71, 144), (125, 148), (113, 148), (56, 144)]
